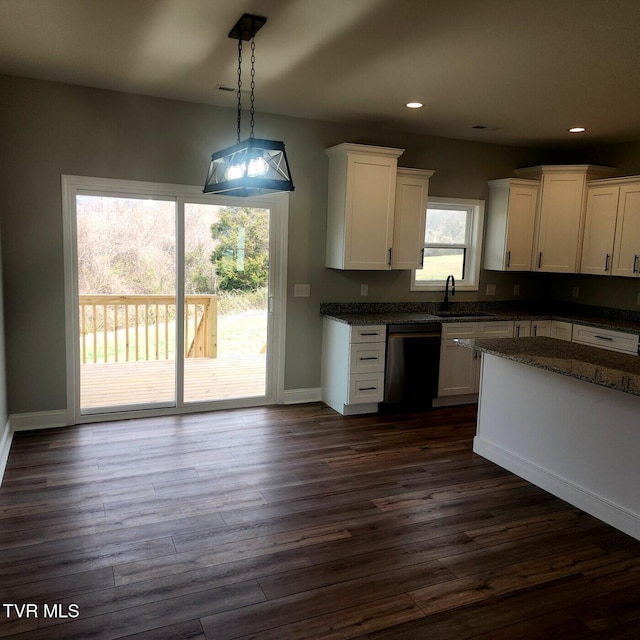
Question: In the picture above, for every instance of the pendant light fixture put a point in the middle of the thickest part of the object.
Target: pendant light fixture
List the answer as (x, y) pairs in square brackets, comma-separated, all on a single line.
[(254, 166)]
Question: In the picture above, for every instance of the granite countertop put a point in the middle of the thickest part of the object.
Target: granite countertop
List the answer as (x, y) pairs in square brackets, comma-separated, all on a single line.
[(611, 369), (408, 313)]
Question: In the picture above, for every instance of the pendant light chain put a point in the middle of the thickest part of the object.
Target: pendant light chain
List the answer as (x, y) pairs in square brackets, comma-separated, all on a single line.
[(239, 86), (253, 78)]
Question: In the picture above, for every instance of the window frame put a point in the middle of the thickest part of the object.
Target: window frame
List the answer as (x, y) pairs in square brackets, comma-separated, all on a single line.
[(472, 246)]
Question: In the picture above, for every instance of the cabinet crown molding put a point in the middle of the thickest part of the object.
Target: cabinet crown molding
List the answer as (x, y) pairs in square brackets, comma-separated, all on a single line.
[(614, 181), (416, 173), (592, 171), (364, 149), (512, 182)]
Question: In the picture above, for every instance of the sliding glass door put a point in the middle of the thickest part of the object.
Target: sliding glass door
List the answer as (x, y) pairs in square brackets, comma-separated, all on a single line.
[(226, 283), (174, 298)]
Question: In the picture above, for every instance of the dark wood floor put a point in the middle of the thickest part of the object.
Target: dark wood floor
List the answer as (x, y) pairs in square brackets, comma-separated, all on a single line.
[(294, 522)]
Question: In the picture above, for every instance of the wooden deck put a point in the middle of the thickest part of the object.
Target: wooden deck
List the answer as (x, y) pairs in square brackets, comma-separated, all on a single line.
[(145, 382)]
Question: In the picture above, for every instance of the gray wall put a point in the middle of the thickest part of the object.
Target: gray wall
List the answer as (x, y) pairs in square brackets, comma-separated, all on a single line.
[(49, 129), (4, 413)]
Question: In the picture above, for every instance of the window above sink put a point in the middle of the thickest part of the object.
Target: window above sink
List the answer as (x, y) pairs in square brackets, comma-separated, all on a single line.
[(452, 244)]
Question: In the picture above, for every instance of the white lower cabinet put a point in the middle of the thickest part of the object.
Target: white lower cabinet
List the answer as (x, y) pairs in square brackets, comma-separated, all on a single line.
[(561, 330), (459, 378), (353, 366), (606, 339), (531, 328)]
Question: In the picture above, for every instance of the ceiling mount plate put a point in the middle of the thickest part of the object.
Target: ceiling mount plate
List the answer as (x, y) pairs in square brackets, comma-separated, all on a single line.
[(247, 27)]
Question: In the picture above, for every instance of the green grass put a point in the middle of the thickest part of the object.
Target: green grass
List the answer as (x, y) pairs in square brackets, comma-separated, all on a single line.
[(240, 333)]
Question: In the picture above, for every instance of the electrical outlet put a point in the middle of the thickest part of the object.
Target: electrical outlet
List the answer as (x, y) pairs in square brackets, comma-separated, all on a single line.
[(491, 289), (364, 289), (575, 292), (516, 289), (301, 290)]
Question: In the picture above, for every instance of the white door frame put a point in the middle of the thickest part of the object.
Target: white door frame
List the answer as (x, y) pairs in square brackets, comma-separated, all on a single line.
[(278, 204)]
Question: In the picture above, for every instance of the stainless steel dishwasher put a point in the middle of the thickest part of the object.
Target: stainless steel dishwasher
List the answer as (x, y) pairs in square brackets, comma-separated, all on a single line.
[(412, 363)]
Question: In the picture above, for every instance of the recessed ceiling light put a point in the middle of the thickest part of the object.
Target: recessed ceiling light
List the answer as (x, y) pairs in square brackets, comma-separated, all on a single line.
[(577, 130), (414, 105)]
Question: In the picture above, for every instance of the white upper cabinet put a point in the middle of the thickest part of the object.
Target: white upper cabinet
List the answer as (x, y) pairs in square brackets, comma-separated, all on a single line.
[(361, 203), (510, 224), (626, 251), (599, 228), (560, 217), (412, 192), (612, 228)]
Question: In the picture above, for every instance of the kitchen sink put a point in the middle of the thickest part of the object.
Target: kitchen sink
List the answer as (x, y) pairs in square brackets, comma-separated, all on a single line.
[(462, 314)]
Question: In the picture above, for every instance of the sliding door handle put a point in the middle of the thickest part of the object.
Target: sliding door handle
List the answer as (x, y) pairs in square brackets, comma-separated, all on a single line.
[(606, 262)]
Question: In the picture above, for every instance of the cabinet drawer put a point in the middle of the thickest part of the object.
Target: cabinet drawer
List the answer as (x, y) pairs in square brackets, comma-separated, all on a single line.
[(606, 339), (369, 333), (367, 357), (459, 330), (365, 387), (500, 329)]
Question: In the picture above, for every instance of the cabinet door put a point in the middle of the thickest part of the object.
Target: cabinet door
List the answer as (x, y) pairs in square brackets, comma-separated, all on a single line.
[(521, 328), (599, 230), (541, 328), (458, 369), (559, 223), (371, 191), (520, 224), (510, 224), (561, 330), (412, 191), (626, 253)]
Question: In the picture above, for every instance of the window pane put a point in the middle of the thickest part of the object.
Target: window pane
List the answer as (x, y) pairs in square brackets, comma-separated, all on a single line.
[(439, 263), (446, 226)]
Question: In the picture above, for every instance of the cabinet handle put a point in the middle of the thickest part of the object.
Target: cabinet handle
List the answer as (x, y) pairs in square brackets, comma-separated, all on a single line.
[(540, 260), (517, 331), (389, 256), (635, 264), (367, 388), (422, 257), (606, 262), (535, 330), (508, 259), (370, 358), (370, 333), (607, 338)]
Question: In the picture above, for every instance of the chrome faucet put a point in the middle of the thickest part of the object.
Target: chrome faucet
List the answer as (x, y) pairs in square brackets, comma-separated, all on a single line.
[(446, 289)]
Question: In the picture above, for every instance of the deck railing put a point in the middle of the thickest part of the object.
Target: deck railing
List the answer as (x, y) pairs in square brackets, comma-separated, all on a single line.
[(141, 327)]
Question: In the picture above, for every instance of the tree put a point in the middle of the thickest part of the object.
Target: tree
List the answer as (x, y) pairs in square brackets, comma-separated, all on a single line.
[(241, 256)]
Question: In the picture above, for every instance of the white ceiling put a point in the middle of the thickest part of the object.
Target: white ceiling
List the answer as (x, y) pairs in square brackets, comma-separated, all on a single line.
[(526, 69)]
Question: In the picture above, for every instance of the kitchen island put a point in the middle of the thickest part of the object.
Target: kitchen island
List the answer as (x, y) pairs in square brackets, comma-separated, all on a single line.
[(565, 417)]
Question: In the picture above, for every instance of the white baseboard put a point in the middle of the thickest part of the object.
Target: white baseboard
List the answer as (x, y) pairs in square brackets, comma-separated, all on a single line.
[(5, 446), (38, 420), (300, 396), (578, 496)]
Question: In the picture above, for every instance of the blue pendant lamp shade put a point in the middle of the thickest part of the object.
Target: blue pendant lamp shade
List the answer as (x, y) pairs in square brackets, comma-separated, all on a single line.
[(254, 166), (251, 167)]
